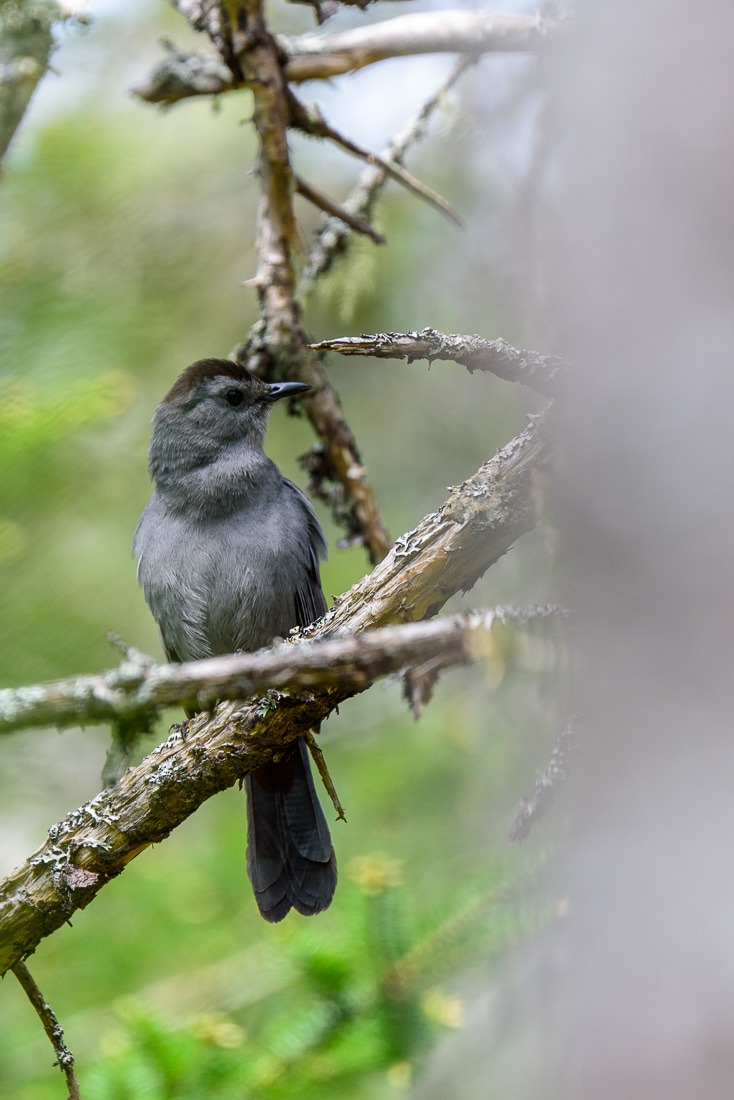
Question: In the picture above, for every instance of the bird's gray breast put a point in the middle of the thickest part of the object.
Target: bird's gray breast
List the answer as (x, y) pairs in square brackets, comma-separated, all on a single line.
[(228, 582)]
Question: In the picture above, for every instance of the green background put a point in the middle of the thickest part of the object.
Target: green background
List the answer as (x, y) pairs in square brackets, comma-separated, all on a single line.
[(126, 234)]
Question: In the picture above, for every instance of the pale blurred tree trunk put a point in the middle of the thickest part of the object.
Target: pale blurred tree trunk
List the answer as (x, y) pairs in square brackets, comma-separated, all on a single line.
[(633, 998), (643, 274)]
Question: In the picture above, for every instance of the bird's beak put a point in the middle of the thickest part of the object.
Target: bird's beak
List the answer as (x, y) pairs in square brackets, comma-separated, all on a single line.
[(277, 390)]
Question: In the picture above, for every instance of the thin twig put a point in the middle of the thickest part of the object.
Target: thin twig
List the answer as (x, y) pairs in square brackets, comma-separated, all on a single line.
[(323, 202), (534, 806), (309, 120), (332, 238), (531, 368), (52, 1027), (135, 657)]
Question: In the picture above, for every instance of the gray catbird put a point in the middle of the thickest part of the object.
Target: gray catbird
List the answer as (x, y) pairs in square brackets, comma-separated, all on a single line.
[(229, 554)]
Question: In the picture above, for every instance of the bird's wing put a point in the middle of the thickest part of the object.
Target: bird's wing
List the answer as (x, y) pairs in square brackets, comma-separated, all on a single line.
[(309, 598)]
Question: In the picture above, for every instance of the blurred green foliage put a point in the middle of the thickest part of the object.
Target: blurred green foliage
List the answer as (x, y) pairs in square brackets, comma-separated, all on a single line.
[(349, 1013), (125, 236)]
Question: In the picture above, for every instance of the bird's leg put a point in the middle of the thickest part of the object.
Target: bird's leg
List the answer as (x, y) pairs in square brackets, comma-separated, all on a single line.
[(320, 762)]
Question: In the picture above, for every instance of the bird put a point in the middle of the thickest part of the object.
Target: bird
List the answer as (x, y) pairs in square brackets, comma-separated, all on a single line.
[(228, 553)]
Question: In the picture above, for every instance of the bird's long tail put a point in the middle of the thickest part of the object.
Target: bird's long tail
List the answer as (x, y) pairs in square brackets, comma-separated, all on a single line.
[(290, 859)]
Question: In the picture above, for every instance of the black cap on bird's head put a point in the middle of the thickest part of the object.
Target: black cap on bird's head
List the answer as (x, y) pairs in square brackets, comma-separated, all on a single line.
[(201, 374), (213, 406)]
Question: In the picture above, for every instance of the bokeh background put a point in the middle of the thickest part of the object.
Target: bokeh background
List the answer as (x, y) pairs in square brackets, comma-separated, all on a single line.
[(126, 234)]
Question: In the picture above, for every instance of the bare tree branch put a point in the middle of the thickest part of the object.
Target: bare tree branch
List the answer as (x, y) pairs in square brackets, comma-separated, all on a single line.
[(52, 1027), (531, 368), (323, 56), (26, 44), (320, 57), (135, 690), (446, 553), (323, 202), (332, 237), (534, 806), (309, 120)]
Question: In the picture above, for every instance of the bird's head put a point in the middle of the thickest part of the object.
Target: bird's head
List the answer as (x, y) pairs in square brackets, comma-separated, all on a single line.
[(214, 406)]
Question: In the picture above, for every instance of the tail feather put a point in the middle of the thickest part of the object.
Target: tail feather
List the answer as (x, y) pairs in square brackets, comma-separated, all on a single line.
[(290, 859)]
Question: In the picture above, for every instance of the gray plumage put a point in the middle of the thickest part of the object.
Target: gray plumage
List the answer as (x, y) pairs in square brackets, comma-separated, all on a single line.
[(228, 556)]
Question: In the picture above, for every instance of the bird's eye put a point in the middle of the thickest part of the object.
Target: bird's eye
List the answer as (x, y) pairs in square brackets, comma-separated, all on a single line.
[(234, 397)]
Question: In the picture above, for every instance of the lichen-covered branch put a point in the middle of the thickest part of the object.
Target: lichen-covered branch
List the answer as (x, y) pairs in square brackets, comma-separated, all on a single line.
[(446, 553), (133, 690), (321, 56), (531, 368), (451, 548)]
